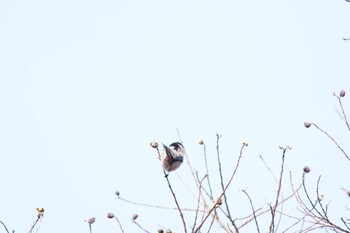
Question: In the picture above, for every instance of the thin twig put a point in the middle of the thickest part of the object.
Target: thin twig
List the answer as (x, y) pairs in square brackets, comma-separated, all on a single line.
[(194, 177), (309, 199), (31, 229), (268, 168), (223, 192), (90, 227), (273, 209), (119, 223), (212, 222), (345, 223), (153, 206), (335, 142), (319, 200), (228, 215), (275, 178), (207, 171), (251, 204), (137, 224), (342, 109), (3, 224), (198, 201)]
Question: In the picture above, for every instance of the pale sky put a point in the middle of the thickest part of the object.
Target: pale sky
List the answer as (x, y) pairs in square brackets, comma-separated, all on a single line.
[(86, 85)]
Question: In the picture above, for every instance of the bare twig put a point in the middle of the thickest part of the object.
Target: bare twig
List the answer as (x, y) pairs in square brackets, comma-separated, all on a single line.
[(228, 215), (36, 221), (268, 168), (335, 142), (197, 184), (90, 227), (273, 208), (251, 204), (207, 171), (3, 224), (137, 224), (319, 199), (342, 109), (153, 206), (345, 223), (119, 223), (198, 201), (223, 192)]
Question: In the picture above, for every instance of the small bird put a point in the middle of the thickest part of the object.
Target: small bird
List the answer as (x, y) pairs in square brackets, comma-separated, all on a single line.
[(172, 156)]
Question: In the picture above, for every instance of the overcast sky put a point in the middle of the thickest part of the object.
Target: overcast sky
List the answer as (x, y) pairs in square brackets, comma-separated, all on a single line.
[(86, 85)]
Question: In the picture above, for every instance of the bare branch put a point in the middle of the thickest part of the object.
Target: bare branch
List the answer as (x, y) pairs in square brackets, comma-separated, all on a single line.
[(335, 142)]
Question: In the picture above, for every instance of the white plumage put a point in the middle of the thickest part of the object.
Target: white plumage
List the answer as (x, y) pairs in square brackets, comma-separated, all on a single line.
[(172, 156)]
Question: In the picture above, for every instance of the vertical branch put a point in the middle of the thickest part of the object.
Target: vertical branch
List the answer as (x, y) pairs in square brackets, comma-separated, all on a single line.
[(176, 202), (251, 204), (198, 201), (90, 227), (319, 199), (228, 215), (190, 167), (218, 200), (273, 208), (174, 196), (207, 171)]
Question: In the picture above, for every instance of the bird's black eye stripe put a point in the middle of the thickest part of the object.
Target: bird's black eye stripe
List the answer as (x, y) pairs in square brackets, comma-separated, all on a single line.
[(176, 145)]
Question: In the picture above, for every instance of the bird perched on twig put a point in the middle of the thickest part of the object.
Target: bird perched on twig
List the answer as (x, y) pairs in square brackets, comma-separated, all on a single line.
[(172, 156)]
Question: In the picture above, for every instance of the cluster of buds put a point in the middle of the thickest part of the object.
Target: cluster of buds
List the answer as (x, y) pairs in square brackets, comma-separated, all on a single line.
[(245, 143), (289, 147), (341, 93), (40, 212)]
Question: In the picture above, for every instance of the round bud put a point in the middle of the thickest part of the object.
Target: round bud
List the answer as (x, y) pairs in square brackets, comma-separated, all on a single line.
[(200, 142), (110, 215), (117, 193), (306, 169), (280, 147), (307, 124), (90, 220), (348, 192), (160, 231), (40, 209), (320, 197), (245, 143), (154, 144), (135, 216), (342, 93), (289, 147)]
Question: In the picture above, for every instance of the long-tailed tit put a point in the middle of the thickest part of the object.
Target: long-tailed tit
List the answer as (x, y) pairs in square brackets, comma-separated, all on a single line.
[(172, 156)]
